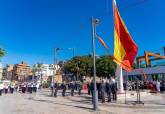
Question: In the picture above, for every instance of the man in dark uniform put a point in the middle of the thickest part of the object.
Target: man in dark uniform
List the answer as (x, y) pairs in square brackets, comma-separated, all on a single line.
[(56, 89), (23, 88), (114, 91), (108, 90), (102, 89), (63, 87), (92, 89), (98, 85), (72, 86), (79, 87), (88, 86)]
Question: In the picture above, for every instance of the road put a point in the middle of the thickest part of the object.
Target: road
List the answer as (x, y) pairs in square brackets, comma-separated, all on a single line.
[(42, 103)]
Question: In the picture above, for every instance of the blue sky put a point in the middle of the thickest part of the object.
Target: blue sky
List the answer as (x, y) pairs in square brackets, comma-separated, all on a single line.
[(30, 29)]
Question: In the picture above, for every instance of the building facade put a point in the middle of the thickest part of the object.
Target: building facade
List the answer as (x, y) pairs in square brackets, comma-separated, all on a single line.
[(9, 72), (21, 71), (45, 71)]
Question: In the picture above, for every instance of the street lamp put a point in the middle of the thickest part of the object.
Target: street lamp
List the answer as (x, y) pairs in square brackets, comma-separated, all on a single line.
[(78, 69), (95, 92), (41, 76), (72, 49), (55, 64)]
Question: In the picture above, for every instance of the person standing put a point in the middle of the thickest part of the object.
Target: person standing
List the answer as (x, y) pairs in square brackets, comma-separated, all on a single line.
[(92, 89), (88, 86), (6, 88), (158, 86), (102, 89), (1, 89), (31, 87), (56, 89), (79, 87), (12, 88), (35, 87), (114, 89), (63, 86), (98, 86), (23, 88), (72, 85), (108, 90)]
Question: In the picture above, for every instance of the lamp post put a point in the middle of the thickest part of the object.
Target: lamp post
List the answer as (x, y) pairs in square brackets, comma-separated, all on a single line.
[(95, 92), (41, 74), (72, 49), (78, 69), (55, 63)]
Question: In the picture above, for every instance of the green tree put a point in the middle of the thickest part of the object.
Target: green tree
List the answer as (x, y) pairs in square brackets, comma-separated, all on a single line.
[(105, 67), (2, 52), (83, 66), (36, 68)]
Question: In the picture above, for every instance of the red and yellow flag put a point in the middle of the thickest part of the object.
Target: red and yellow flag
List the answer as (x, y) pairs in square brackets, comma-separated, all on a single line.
[(125, 49), (102, 42)]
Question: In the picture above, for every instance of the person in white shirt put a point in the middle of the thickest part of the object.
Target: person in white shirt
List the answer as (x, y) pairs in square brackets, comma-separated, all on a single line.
[(1, 89), (12, 88), (158, 86), (6, 88)]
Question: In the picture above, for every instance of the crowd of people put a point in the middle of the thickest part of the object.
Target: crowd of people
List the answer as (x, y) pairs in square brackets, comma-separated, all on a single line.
[(155, 86), (5, 88), (106, 88), (29, 87), (72, 86), (26, 87)]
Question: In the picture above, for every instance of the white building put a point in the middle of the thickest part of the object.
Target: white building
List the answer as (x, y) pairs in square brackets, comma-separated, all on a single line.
[(45, 71)]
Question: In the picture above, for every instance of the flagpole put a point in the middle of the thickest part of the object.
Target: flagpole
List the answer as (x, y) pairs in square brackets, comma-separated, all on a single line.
[(53, 81), (95, 93), (126, 87)]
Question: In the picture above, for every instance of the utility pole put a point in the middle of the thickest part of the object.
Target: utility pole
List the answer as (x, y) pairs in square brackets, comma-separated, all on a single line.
[(55, 63), (73, 51), (95, 92)]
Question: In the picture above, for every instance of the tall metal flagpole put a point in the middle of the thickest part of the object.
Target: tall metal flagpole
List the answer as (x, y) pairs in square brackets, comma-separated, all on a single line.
[(126, 87), (55, 63), (95, 93)]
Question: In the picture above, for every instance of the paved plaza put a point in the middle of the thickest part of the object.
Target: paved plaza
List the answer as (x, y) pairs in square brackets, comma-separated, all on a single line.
[(42, 103)]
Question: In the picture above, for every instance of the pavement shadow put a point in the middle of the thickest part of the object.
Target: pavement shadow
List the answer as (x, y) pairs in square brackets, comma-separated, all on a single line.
[(47, 101), (82, 101)]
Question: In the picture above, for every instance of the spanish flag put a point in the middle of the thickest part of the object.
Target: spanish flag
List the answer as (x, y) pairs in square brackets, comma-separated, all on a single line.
[(125, 49), (103, 43)]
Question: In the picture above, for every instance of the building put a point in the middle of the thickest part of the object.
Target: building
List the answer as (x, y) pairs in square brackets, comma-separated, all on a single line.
[(153, 73), (9, 72), (1, 71), (21, 71), (45, 71)]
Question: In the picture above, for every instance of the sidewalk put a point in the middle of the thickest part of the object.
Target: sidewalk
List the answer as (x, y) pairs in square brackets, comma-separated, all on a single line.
[(43, 103), (153, 103)]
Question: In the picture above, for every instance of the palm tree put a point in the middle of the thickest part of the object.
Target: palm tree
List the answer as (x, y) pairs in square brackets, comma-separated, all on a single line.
[(2, 52), (39, 70)]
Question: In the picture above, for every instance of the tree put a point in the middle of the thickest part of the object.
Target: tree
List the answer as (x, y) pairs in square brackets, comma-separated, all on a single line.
[(79, 65), (83, 66), (36, 69), (105, 66), (2, 52)]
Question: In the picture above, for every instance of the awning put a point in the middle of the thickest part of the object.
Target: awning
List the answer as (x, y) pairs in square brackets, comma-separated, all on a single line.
[(141, 71)]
